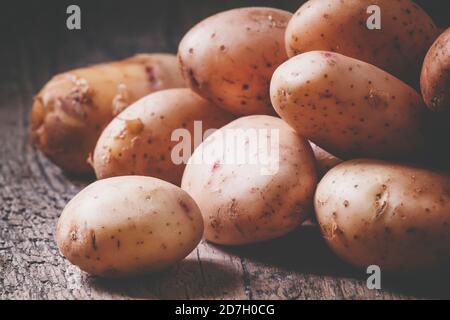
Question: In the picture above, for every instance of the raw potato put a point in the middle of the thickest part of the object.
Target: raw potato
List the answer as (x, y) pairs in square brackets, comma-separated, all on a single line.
[(230, 57), (70, 112), (128, 225), (139, 140), (249, 201), (325, 161), (348, 107), (341, 26), (435, 79), (391, 215)]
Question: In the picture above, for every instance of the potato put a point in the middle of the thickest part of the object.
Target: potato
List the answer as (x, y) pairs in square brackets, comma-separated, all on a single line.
[(341, 26), (229, 58), (325, 161), (139, 140), (70, 112), (348, 107), (435, 78), (247, 191), (128, 225), (391, 215)]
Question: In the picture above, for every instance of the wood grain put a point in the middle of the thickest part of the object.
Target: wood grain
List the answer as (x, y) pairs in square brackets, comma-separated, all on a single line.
[(33, 191)]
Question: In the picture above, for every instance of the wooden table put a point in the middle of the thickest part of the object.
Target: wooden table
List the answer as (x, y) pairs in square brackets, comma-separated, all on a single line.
[(36, 45)]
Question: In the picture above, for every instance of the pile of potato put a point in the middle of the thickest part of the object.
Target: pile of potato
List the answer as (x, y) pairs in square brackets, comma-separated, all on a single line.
[(358, 143)]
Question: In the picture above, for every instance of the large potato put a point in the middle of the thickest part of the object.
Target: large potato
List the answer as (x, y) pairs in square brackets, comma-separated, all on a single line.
[(391, 215), (70, 112), (435, 78), (341, 26), (348, 107), (139, 141), (229, 58), (128, 225), (246, 190)]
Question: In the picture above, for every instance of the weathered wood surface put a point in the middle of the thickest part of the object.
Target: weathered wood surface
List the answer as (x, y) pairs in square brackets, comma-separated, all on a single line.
[(33, 191)]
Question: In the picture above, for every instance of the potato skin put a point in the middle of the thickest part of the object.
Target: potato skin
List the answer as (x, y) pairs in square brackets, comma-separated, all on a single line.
[(340, 26), (128, 225), (238, 203), (229, 58), (392, 215), (348, 107), (435, 78), (138, 141), (325, 161), (73, 108)]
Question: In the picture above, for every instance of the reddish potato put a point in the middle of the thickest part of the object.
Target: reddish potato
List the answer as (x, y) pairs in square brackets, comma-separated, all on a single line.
[(71, 111), (139, 140), (341, 26), (249, 201), (391, 215), (229, 58), (435, 79), (324, 160), (349, 107)]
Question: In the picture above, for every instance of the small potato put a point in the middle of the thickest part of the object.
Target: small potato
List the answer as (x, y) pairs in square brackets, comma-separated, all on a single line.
[(139, 141), (71, 111), (325, 161), (247, 191), (128, 225), (391, 215), (230, 57), (348, 107), (435, 79), (341, 26)]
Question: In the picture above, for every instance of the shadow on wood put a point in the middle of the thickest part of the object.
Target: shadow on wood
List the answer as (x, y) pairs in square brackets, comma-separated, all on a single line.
[(304, 251), (189, 279)]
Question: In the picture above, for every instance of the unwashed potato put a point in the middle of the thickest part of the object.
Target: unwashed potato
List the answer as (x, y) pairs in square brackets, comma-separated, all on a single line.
[(229, 58), (139, 141), (348, 107), (435, 78), (341, 26), (325, 161), (70, 112), (128, 225), (253, 180), (391, 215)]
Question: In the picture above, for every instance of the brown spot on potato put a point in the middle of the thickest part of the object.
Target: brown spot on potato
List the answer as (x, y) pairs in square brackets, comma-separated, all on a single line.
[(376, 99), (93, 240), (185, 207), (216, 165), (134, 126), (150, 74), (73, 233)]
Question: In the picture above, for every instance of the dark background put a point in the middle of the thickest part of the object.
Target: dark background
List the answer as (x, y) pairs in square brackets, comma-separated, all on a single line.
[(113, 29), (35, 45)]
